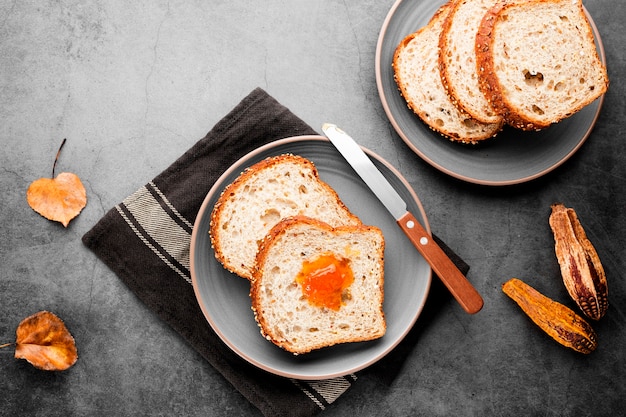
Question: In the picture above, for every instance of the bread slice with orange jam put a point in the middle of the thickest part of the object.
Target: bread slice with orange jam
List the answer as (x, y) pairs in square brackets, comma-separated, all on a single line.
[(315, 285)]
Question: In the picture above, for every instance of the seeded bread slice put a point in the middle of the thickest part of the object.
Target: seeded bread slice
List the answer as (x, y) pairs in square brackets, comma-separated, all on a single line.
[(457, 59), (270, 190), (286, 317), (538, 61), (416, 71)]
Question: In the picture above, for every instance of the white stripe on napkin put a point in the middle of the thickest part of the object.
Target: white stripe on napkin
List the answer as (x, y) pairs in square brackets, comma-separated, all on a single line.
[(166, 233), (324, 392)]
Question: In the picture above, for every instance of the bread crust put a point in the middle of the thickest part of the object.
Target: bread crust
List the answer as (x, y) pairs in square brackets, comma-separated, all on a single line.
[(272, 331), (227, 198), (487, 79), (500, 92), (458, 66), (423, 89)]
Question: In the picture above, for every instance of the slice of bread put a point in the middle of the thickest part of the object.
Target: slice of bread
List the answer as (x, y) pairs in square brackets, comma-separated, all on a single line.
[(291, 319), (538, 61), (416, 71), (457, 58), (270, 190)]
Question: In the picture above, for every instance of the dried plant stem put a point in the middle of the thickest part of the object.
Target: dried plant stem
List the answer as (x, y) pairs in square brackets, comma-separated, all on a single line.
[(57, 157), (5, 345)]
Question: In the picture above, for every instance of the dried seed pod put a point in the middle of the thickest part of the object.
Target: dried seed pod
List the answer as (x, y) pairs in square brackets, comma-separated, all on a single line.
[(582, 272), (557, 320)]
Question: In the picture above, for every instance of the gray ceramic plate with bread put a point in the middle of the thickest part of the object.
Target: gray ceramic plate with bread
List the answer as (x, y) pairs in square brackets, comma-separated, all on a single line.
[(512, 157), (224, 297)]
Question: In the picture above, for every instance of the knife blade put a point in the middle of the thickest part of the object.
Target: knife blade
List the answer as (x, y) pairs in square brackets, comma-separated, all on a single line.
[(458, 285)]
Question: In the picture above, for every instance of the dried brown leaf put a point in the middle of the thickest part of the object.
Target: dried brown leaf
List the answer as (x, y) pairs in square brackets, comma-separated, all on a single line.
[(44, 341)]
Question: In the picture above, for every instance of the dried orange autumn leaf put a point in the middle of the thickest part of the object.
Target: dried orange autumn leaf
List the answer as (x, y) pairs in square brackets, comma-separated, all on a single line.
[(44, 341), (58, 198)]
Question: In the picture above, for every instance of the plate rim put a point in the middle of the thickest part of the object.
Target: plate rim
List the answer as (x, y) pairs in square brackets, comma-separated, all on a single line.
[(450, 171), (205, 211)]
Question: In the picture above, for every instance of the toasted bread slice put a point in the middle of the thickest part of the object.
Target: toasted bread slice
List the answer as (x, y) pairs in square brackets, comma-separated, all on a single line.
[(270, 190), (416, 71), (538, 61), (457, 59), (301, 315)]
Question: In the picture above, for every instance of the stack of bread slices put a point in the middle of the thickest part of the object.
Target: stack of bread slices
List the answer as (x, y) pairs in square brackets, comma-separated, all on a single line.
[(479, 65), (278, 216)]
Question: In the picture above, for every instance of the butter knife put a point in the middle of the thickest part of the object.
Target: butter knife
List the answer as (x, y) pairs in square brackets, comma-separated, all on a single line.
[(458, 285)]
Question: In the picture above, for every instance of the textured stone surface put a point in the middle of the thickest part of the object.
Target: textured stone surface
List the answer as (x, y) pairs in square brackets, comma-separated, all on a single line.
[(133, 85)]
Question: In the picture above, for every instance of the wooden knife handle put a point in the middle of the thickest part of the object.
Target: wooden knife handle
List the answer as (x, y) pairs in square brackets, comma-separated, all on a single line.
[(442, 265)]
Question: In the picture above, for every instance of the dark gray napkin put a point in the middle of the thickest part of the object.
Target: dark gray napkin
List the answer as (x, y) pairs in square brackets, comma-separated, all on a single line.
[(145, 241)]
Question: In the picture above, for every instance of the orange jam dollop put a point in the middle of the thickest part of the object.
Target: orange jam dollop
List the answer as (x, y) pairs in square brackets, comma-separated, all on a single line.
[(325, 280)]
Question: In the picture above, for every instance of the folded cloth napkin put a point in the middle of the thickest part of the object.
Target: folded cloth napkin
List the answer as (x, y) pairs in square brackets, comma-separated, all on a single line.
[(145, 241)]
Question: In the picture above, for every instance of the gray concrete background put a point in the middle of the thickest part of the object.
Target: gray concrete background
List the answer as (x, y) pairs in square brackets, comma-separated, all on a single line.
[(133, 85)]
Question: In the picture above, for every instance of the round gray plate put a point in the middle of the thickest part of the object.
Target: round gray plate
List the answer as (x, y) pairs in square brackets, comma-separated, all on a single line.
[(509, 158), (224, 297)]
